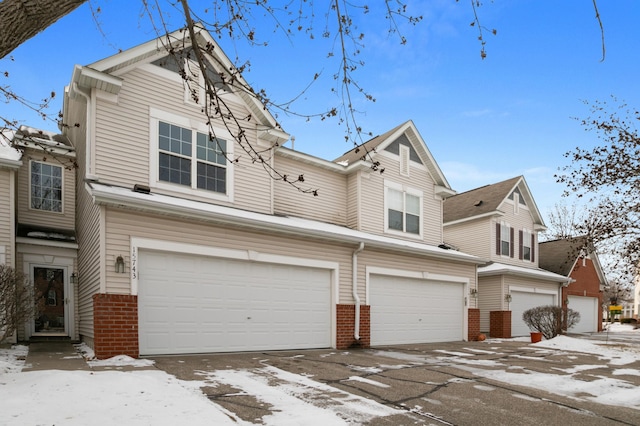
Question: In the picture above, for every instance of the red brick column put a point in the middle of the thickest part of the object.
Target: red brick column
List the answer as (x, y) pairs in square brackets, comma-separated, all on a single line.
[(474, 324), (500, 324), (115, 325), (346, 318)]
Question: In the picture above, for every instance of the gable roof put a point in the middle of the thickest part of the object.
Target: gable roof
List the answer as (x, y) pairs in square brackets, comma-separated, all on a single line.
[(379, 143), (561, 255), (104, 74), (486, 200)]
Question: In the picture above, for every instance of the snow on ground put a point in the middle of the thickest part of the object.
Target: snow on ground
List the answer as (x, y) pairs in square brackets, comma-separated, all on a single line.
[(142, 397)]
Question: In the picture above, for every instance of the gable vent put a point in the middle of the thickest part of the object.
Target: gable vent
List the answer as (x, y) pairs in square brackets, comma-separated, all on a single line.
[(404, 160)]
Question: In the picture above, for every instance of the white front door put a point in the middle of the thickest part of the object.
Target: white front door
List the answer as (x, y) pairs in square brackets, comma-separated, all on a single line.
[(410, 310)]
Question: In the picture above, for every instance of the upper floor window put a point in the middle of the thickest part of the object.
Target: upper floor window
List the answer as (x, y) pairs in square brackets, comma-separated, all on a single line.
[(527, 244), (46, 187), (201, 164), (504, 239), (403, 209), (188, 159)]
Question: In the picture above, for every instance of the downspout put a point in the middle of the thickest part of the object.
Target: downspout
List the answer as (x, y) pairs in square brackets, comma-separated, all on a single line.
[(88, 142), (356, 298)]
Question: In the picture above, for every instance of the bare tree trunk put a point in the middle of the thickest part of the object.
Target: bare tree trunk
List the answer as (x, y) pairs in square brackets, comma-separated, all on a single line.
[(22, 19)]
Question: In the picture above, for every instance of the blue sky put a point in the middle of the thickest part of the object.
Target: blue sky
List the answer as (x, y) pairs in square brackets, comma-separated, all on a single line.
[(484, 120)]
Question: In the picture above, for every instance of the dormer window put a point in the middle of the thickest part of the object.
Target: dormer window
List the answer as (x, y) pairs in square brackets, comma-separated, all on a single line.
[(46, 187)]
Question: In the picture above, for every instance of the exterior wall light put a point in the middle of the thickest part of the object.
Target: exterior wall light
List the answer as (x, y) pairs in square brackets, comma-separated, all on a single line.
[(507, 297), (119, 265), (74, 278), (474, 293)]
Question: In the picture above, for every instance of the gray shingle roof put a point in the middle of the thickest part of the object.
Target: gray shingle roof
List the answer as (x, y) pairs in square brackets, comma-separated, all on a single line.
[(479, 201), (559, 255), (361, 150)]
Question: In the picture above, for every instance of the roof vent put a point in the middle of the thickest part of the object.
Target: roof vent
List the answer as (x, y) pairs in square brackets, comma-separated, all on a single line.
[(478, 203), (143, 189)]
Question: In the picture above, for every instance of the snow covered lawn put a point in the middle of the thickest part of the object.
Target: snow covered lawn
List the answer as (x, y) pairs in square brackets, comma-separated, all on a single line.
[(150, 396)]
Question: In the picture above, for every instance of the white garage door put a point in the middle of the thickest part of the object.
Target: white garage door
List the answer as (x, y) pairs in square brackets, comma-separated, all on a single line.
[(588, 309), (197, 304), (520, 302), (409, 310)]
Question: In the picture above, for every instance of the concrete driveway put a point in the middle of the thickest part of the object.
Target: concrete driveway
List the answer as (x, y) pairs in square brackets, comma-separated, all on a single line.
[(463, 383)]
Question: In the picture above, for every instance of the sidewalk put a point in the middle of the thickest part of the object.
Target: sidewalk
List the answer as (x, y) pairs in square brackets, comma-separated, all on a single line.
[(54, 356)]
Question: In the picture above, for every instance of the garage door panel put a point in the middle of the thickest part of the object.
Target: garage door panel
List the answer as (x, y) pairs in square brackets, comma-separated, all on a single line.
[(520, 302), (405, 310), (202, 304), (588, 309)]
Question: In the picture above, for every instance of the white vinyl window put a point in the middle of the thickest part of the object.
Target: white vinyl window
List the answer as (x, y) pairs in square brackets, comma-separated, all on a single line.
[(188, 159), (403, 209), (46, 187), (526, 245), (505, 239)]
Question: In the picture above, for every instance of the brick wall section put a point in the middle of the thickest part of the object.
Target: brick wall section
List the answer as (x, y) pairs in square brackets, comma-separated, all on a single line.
[(346, 317), (474, 324), (500, 324), (115, 325), (586, 284)]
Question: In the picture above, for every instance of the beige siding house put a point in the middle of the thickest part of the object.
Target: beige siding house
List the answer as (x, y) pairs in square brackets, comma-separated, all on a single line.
[(186, 245), (37, 226), (500, 223)]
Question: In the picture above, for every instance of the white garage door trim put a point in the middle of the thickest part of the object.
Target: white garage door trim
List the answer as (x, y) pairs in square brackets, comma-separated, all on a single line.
[(241, 255), (529, 298), (459, 287), (588, 309)]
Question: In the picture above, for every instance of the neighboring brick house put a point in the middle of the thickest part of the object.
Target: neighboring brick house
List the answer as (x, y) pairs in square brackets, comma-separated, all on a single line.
[(572, 258), (500, 223)]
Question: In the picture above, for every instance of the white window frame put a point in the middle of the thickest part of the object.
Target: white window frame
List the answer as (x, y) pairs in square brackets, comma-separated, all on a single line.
[(61, 188), (505, 236), (526, 243), (405, 190), (156, 116)]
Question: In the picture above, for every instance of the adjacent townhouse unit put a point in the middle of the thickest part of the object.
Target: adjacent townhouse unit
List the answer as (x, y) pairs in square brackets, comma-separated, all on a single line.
[(500, 223), (37, 229), (574, 258), (180, 250)]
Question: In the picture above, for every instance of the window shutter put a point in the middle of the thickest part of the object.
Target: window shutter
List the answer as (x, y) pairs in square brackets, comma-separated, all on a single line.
[(511, 242), (498, 241), (520, 244), (533, 247)]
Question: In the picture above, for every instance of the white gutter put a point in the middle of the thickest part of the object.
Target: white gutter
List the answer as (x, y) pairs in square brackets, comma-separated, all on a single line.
[(161, 204), (356, 298)]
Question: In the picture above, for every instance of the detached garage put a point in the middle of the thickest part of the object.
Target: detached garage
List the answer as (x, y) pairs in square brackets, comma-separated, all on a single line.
[(520, 302), (196, 304), (407, 310)]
